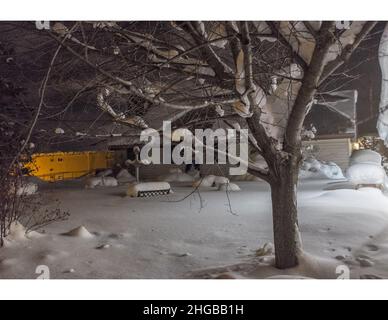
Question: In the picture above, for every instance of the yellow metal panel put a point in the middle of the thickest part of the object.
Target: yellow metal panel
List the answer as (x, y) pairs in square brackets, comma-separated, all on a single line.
[(68, 165)]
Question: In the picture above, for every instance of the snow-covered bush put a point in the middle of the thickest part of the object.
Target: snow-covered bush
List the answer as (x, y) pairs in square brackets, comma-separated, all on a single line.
[(94, 182), (314, 169)]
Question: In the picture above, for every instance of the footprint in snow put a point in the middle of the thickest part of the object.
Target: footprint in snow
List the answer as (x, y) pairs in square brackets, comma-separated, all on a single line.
[(365, 262), (372, 247), (181, 255), (103, 247)]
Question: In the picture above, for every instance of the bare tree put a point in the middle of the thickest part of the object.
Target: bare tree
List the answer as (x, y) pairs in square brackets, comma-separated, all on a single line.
[(265, 76), (17, 123)]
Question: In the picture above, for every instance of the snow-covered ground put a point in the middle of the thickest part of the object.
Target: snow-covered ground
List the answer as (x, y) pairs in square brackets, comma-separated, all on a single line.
[(201, 237)]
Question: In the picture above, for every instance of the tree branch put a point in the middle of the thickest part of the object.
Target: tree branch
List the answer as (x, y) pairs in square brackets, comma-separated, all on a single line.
[(309, 87), (347, 52), (136, 92), (222, 70), (274, 28)]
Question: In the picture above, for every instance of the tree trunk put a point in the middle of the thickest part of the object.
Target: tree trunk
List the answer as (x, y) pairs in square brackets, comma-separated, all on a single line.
[(285, 215)]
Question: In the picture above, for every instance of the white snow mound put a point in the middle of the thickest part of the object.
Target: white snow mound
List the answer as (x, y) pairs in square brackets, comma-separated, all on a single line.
[(17, 232), (80, 232)]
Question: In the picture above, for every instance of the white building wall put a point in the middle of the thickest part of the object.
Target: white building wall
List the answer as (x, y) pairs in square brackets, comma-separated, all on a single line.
[(335, 150)]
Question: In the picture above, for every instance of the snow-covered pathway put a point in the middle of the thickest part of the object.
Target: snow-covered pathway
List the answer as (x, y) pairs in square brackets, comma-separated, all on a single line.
[(199, 237)]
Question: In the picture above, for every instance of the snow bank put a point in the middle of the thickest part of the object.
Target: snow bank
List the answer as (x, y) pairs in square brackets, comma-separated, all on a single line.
[(229, 187), (176, 175), (315, 169), (364, 173), (124, 176), (148, 189), (94, 182), (366, 156)]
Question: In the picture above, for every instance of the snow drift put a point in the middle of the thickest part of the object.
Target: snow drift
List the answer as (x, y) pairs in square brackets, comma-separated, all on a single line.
[(315, 169)]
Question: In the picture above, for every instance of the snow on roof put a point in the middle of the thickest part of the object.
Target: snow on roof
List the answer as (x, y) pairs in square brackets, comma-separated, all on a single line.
[(345, 106), (334, 114)]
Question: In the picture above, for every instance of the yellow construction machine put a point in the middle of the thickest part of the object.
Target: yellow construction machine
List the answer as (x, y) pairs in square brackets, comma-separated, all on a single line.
[(58, 166)]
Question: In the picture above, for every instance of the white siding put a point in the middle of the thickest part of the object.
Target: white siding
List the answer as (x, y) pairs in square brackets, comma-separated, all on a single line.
[(336, 150)]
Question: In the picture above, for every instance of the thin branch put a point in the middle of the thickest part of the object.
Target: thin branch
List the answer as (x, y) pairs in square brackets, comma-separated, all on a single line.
[(274, 28), (133, 90), (347, 52)]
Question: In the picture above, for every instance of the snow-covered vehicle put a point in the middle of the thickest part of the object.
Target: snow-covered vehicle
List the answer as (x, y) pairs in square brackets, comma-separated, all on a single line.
[(366, 170)]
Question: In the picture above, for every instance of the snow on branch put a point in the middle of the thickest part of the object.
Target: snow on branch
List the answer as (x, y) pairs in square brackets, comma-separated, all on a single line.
[(343, 48), (134, 121), (130, 88)]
